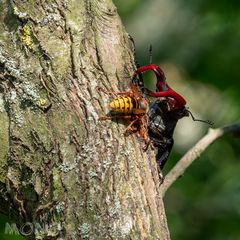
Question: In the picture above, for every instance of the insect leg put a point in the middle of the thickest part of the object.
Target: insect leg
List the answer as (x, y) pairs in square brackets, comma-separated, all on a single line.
[(100, 89), (160, 174), (128, 130), (128, 93), (163, 152), (115, 116), (143, 132)]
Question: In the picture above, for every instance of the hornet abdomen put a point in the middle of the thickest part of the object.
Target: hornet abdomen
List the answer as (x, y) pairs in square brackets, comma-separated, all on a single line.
[(123, 104)]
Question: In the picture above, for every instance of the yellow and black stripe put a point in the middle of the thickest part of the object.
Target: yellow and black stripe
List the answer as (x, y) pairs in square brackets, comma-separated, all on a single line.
[(123, 104)]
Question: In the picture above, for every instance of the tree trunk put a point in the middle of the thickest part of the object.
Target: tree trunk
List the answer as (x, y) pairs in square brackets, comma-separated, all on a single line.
[(62, 171)]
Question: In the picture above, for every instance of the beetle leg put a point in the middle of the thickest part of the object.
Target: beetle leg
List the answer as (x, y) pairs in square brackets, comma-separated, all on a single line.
[(163, 152), (160, 174)]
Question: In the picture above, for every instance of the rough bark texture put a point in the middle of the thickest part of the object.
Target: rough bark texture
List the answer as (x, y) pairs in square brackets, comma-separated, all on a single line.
[(60, 168)]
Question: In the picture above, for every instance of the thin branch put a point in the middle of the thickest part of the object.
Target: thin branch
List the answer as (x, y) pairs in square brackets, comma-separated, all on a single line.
[(194, 153)]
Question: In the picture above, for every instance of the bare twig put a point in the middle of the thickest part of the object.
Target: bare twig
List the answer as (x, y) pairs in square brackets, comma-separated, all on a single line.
[(194, 153)]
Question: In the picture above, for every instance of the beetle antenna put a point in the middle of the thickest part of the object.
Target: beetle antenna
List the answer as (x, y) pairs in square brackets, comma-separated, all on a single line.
[(150, 53), (199, 120), (134, 51), (138, 80)]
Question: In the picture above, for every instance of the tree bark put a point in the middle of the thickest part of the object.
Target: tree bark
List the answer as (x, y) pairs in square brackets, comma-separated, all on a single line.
[(62, 170)]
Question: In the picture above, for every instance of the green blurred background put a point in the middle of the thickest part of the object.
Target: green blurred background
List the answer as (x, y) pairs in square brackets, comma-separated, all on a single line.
[(197, 44)]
